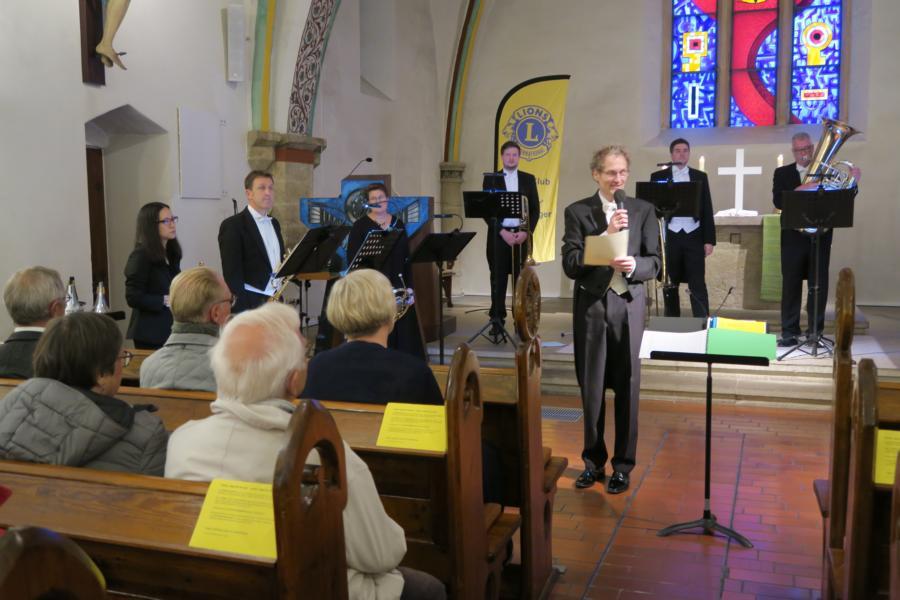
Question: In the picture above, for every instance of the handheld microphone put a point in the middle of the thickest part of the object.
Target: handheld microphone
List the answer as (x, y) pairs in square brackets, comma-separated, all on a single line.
[(353, 170), (666, 164), (619, 197), (234, 205)]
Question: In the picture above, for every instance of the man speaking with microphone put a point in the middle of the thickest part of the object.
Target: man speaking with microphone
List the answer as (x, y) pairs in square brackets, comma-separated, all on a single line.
[(608, 313)]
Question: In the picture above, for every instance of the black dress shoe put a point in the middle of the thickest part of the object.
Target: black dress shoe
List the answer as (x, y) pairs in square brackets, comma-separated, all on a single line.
[(618, 483), (787, 342), (588, 477)]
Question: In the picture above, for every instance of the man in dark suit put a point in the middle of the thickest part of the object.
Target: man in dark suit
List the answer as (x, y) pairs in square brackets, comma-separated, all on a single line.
[(688, 241), (608, 314), (507, 238), (797, 250), (32, 297), (251, 246)]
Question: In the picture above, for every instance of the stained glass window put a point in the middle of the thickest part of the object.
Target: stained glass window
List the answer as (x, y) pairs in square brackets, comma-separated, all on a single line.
[(754, 62), (816, 58), (693, 82)]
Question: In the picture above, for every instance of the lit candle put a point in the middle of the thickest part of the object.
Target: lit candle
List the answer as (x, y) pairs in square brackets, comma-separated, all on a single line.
[(703, 164), (780, 160)]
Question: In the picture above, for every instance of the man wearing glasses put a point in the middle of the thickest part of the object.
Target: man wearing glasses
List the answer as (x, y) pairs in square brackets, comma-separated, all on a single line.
[(608, 313), (796, 250), (201, 303), (250, 244)]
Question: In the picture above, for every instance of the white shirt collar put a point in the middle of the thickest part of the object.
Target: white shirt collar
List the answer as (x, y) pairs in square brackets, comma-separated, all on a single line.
[(37, 329), (507, 173), (606, 203), (258, 215), (679, 170)]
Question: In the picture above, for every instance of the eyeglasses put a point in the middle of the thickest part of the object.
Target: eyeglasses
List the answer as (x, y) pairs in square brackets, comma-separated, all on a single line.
[(168, 221), (614, 174), (231, 300), (126, 357), (802, 149)]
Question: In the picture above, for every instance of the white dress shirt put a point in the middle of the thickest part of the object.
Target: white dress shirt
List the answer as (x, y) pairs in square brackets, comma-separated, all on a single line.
[(685, 224), (511, 179), (273, 249), (618, 283)]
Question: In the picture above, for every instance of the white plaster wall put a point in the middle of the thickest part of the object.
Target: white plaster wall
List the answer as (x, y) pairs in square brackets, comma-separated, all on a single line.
[(176, 57), (404, 136), (289, 22), (614, 55)]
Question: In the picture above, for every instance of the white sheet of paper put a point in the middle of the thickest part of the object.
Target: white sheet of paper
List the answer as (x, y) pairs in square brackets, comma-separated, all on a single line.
[(600, 250), (694, 342)]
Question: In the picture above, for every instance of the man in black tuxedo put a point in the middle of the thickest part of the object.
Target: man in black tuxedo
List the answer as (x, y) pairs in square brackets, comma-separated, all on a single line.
[(797, 250), (32, 297), (509, 233), (250, 244), (688, 241), (608, 314)]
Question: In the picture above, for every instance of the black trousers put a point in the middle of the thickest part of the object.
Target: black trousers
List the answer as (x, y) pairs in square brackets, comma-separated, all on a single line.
[(247, 300), (686, 263), (500, 260), (608, 331), (797, 264)]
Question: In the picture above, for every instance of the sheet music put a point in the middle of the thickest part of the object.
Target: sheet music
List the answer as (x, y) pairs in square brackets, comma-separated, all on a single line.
[(693, 342), (600, 250)]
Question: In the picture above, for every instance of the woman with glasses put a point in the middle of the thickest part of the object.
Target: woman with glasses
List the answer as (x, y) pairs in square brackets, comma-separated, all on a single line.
[(155, 260), (67, 413), (201, 305)]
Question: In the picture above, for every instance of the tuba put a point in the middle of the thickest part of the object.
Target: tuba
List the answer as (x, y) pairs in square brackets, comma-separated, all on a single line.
[(823, 170)]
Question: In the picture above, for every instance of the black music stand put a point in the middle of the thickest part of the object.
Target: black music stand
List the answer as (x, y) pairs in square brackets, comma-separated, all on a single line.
[(671, 199), (311, 256), (816, 211), (440, 248), (374, 250), (494, 207), (708, 521)]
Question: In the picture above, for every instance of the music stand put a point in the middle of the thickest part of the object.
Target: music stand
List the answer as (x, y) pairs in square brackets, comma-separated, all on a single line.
[(708, 521), (440, 248), (671, 199), (309, 260), (374, 250), (494, 207), (816, 211)]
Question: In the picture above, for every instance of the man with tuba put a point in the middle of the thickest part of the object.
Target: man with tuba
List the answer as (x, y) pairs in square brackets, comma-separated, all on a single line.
[(507, 241), (797, 260)]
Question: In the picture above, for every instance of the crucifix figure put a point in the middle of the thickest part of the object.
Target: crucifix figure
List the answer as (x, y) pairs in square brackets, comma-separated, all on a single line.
[(739, 170)]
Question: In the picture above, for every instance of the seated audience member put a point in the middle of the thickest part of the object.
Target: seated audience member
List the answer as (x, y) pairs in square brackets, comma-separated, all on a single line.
[(260, 365), (362, 307), (201, 304), (32, 297), (67, 415)]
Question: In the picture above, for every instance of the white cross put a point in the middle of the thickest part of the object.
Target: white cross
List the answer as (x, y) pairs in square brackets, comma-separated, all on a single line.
[(739, 170)]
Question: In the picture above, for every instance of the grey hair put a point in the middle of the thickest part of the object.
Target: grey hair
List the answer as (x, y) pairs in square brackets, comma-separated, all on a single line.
[(256, 352), (800, 135), (29, 293)]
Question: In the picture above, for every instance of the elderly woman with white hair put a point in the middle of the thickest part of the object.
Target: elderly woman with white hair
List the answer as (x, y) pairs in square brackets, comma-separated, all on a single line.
[(362, 306), (260, 366)]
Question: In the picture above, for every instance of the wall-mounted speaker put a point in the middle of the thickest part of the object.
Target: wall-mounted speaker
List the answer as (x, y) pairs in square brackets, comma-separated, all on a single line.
[(236, 32)]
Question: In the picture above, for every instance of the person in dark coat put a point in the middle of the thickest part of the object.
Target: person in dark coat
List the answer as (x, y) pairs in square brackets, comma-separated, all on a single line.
[(365, 369), (32, 297), (154, 262), (688, 241), (406, 335)]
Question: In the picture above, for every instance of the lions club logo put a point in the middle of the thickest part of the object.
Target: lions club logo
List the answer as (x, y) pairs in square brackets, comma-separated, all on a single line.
[(533, 128)]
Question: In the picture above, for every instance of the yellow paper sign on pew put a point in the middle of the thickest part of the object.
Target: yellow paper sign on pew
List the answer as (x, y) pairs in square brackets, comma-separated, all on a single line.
[(237, 516), (887, 444), (740, 325), (414, 427)]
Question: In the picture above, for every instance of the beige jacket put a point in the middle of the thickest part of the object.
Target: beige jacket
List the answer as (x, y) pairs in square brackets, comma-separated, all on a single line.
[(242, 442)]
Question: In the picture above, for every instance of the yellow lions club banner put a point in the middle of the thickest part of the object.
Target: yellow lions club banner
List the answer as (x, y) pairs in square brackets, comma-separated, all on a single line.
[(532, 114)]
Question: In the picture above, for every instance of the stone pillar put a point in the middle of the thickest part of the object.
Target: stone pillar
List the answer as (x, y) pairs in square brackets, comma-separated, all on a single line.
[(451, 189), (291, 158)]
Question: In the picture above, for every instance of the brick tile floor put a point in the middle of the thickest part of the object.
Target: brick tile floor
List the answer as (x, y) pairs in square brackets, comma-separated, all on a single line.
[(764, 462)]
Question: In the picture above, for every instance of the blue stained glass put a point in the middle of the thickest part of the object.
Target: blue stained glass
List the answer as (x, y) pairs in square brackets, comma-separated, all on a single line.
[(681, 8), (816, 57), (693, 100), (767, 57), (769, 78), (689, 24), (737, 118)]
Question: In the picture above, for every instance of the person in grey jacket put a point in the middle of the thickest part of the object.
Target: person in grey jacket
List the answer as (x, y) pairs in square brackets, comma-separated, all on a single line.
[(67, 415), (201, 303)]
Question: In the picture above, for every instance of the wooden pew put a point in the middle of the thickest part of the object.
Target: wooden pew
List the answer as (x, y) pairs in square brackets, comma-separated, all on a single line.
[(38, 563), (137, 528), (131, 375), (831, 493)]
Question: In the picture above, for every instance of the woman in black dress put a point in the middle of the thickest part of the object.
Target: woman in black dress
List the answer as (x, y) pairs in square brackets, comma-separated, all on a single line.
[(406, 335), (154, 262)]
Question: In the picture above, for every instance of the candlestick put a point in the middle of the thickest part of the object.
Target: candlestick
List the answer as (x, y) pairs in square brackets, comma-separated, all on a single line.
[(703, 164), (780, 160)]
